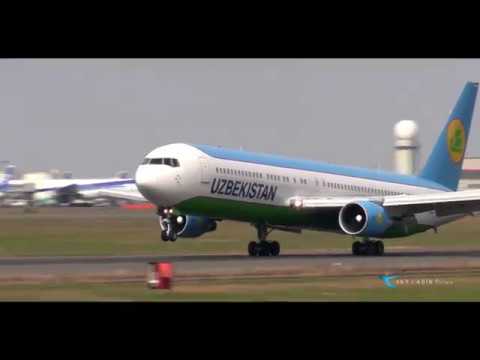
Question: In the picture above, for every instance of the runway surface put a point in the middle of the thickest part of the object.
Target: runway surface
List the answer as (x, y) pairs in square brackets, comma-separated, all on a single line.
[(324, 263)]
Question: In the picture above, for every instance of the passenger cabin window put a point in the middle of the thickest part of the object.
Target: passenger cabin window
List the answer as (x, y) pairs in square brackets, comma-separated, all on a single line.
[(161, 161)]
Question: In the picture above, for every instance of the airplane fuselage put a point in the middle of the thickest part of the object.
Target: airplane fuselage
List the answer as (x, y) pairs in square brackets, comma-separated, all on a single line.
[(258, 188)]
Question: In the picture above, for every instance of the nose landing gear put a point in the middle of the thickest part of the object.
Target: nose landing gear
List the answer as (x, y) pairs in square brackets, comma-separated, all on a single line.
[(165, 217), (169, 233), (262, 247)]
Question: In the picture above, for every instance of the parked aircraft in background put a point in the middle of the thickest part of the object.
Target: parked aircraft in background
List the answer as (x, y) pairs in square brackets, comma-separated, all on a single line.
[(44, 190), (128, 192)]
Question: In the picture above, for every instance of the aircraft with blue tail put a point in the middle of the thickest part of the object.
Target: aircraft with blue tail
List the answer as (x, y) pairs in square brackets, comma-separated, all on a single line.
[(195, 186), (6, 178)]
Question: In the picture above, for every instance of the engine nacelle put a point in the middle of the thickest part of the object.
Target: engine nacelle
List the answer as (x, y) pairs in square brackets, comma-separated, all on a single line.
[(364, 218), (67, 194), (191, 226)]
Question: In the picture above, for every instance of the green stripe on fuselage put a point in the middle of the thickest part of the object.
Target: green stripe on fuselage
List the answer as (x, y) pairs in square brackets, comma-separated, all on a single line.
[(259, 213), (323, 220)]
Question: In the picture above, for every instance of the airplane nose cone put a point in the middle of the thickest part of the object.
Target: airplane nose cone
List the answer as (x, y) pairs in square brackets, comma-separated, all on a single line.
[(147, 182)]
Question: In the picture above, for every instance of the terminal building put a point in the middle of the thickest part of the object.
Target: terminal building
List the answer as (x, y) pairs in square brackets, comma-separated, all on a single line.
[(470, 178)]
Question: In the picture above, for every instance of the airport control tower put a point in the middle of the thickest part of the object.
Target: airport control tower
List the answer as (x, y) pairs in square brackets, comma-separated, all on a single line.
[(406, 147)]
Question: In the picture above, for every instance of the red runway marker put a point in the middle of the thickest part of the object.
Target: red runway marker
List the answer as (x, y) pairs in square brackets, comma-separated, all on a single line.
[(160, 276)]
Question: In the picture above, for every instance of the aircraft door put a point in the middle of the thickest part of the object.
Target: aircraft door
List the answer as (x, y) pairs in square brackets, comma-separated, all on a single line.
[(204, 177)]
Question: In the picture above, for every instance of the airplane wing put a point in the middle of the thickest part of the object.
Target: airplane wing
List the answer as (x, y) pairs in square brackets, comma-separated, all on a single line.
[(68, 191), (89, 186), (123, 195), (443, 203)]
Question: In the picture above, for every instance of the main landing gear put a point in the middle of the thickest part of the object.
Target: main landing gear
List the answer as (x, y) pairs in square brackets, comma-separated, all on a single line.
[(165, 217), (368, 247), (262, 247)]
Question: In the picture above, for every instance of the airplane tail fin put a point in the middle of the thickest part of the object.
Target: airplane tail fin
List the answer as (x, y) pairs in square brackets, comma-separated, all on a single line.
[(9, 172), (444, 165), (8, 175)]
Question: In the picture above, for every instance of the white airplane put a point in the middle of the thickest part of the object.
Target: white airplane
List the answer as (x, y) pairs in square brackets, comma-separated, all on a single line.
[(194, 186), (67, 191)]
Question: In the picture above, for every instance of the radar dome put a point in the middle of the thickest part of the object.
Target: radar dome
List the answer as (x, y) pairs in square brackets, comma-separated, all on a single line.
[(406, 129)]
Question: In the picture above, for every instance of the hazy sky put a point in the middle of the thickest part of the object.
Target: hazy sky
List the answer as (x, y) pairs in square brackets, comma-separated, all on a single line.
[(98, 116)]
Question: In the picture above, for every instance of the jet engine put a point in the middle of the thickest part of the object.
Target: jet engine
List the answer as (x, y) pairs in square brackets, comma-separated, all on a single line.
[(67, 195), (70, 196), (191, 226), (364, 218)]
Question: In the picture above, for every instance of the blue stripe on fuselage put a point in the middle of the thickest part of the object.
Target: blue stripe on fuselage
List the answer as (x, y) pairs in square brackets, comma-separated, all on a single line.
[(309, 165)]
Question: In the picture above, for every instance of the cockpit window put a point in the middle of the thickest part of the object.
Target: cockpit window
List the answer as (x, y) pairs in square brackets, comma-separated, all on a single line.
[(161, 161)]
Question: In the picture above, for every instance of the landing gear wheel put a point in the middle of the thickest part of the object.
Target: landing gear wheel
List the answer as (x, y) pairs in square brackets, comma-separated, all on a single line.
[(357, 248), (263, 249), (275, 248), (368, 248), (169, 233), (172, 235), (164, 236), (371, 248), (252, 248), (379, 248), (257, 250)]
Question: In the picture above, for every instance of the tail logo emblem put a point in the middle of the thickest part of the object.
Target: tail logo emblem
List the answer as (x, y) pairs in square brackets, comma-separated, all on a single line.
[(456, 140)]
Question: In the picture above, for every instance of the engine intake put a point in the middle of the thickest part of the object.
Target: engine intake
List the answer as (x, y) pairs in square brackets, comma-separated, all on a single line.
[(364, 218)]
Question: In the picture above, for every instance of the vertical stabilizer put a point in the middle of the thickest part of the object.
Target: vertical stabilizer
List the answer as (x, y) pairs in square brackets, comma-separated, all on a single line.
[(444, 166)]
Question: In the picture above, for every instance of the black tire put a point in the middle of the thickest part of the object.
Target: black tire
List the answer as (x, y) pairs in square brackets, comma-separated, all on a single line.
[(251, 248), (356, 248), (274, 248), (372, 248), (258, 250), (379, 248), (164, 236), (170, 232), (264, 249)]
